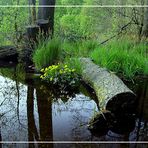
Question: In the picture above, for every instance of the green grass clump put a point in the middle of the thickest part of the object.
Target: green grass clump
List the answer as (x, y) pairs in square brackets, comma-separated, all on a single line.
[(80, 48), (122, 56), (126, 58), (75, 64), (46, 53)]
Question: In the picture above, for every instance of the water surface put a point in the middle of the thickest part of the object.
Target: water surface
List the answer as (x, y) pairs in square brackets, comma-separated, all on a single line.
[(31, 111)]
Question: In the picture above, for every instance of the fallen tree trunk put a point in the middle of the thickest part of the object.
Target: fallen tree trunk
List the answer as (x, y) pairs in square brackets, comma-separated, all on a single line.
[(8, 53), (112, 93)]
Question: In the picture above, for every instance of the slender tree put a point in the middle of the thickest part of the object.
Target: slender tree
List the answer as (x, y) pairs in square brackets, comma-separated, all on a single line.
[(145, 23)]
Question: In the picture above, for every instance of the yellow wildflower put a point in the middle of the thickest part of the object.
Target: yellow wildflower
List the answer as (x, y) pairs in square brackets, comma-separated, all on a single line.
[(46, 69), (51, 78), (61, 71), (45, 74), (50, 67), (56, 67), (42, 70), (41, 77), (65, 66)]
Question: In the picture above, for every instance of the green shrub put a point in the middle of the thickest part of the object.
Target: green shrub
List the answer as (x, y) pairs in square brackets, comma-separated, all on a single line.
[(47, 53), (60, 75)]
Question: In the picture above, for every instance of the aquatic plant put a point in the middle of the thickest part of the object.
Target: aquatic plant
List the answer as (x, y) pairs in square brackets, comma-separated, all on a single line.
[(46, 53), (60, 75)]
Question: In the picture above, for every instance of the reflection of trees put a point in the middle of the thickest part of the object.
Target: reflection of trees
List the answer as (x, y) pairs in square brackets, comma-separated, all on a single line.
[(74, 115), (32, 130), (45, 115), (18, 93), (77, 107), (12, 111), (0, 138)]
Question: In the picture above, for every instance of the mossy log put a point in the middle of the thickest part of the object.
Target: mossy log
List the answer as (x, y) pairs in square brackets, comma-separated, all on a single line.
[(112, 93), (8, 53)]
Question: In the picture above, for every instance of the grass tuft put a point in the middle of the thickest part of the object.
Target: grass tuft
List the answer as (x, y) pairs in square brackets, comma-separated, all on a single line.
[(46, 53), (81, 48), (126, 58)]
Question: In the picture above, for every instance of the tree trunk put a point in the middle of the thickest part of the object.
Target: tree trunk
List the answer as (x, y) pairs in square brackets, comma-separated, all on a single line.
[(47, 13), (145, 23), (112, 93)]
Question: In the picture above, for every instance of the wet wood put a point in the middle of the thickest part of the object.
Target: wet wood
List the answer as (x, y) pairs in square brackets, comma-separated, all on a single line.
[(8, 53), (112, 93)]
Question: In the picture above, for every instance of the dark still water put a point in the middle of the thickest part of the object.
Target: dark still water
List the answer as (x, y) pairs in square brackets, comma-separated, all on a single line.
[(31, 111)]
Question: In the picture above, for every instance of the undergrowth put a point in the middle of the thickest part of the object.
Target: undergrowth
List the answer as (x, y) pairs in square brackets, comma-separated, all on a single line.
[(120, 56), (126, 58), (46, 53)]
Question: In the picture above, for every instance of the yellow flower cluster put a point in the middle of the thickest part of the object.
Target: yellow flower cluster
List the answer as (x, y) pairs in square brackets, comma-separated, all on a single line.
[(50, 68), (55, 71)]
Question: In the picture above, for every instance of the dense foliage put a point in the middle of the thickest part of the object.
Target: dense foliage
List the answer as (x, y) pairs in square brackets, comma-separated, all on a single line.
[(77, 22), (84, 32)]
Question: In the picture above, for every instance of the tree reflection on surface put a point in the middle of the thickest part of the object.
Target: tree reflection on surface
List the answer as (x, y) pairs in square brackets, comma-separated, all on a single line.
[(30, 112)]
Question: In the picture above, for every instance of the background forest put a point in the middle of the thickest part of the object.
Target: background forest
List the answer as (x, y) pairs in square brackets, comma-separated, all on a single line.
[(123, 30), (79, 23)]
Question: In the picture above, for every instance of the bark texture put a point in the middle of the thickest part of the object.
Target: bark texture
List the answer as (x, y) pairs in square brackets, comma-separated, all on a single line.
[(8, 53), (145, 23), (112, 93), (47, 13)]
